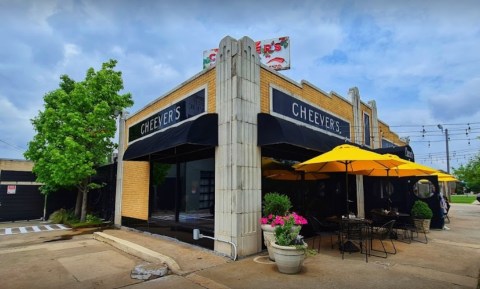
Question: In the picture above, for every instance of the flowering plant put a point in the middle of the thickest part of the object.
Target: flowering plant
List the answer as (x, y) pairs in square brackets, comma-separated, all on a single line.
[(287, 229), (282, 220), (275, 205)]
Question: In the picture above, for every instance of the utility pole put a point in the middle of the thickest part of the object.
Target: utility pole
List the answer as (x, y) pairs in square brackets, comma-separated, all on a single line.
[(446, 144)]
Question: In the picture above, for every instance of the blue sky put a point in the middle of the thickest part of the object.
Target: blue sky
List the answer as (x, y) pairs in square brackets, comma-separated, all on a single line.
[(419, 60)]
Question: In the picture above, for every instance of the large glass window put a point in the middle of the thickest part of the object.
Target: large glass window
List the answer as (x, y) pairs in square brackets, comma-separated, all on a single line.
[(182, 197)]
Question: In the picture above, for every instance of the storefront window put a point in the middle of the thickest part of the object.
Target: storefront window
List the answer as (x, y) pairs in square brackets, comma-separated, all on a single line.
[(183, 196)]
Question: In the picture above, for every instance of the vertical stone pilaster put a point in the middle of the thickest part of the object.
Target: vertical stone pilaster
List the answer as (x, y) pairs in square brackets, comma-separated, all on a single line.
[(377, 138), (237, 157), (357, 115), (358, 139)]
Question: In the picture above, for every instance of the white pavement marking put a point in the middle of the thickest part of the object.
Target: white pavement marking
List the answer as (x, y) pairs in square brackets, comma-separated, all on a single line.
[(48, 227), (33, 229)]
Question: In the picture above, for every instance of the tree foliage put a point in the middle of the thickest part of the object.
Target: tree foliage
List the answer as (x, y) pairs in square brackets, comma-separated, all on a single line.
[(75, 130), (470, 174)]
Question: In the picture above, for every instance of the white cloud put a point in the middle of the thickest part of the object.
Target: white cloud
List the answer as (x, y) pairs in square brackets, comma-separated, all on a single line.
[(418, 60), (15, 128)]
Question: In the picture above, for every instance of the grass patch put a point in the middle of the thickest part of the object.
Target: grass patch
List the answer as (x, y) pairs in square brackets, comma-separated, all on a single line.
[(68, 218), (462, 199)]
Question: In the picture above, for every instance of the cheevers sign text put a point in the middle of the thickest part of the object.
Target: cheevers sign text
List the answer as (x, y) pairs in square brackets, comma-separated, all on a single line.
[(177, 112), (293, 108)]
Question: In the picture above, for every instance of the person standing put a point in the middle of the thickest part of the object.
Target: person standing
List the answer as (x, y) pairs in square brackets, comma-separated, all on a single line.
[(444, 209)]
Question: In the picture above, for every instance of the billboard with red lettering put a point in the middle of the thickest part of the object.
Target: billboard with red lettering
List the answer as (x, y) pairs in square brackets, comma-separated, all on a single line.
[(274, 53)]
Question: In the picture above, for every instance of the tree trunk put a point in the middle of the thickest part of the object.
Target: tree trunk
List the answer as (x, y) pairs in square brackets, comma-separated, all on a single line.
[(78, 204), (84, 205), (45, 208)]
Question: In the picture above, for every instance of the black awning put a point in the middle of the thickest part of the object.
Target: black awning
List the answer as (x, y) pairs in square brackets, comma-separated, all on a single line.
[(190, 137), (405, 152), (280, 138)]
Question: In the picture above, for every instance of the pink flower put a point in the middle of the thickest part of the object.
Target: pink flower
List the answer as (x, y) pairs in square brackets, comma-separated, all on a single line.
[(279, 220), (299, 220)]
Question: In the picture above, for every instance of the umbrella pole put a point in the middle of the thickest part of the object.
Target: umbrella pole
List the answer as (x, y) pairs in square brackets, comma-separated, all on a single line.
[(346, 186)]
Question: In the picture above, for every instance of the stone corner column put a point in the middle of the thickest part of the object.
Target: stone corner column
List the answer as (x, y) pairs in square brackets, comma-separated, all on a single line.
[(237, 157), (358, 139), (377, 138)]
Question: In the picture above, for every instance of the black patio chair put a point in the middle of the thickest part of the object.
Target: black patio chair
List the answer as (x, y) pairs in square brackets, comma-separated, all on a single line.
[(383, 233), (412, 229), (322, 228), (353, 233)]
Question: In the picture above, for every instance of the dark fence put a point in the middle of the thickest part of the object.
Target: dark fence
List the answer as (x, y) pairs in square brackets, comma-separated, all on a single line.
[(27, 202)]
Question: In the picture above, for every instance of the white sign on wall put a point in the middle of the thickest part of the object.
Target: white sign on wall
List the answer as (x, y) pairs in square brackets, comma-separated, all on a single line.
[(11, 189), (274, 53)]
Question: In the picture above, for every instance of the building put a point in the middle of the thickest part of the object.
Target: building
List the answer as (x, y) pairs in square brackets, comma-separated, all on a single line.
[(193, 157), (21, 197)]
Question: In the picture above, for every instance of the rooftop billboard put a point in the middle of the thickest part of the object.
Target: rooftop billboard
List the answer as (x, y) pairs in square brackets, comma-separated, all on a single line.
[(274, 53)]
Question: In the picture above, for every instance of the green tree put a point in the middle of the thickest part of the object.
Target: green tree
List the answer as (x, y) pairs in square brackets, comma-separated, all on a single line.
[(470, 174), (75, 131)]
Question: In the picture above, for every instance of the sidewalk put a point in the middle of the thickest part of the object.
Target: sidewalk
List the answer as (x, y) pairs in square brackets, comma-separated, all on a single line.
[(451, 259)]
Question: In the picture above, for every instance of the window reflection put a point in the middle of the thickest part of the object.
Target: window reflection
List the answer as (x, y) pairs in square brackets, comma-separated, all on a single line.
[(423, 189)]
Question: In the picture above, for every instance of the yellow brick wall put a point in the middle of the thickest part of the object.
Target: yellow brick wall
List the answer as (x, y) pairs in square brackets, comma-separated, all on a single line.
[(388, 134), (136, 180), (331, 102), (16, 165), (206, 78)]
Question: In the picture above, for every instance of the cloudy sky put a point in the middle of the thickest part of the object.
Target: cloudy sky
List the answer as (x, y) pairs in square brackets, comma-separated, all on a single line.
[(419, 60)]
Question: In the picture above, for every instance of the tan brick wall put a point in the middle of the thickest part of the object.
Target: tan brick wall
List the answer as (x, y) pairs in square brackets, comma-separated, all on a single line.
[(206, 78), (386, 133), (136, 180), (330, 102), (16, 165)]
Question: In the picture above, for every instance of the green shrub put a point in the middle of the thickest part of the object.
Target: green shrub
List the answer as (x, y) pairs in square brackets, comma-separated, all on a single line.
[(421, 210), (276, 204), (63, 216), (92, 219)]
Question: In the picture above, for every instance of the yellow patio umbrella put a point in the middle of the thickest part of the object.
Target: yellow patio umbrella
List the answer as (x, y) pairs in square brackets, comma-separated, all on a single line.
[(275, 170), (407, 169), (349, 159), (444, 177), (289, 175)]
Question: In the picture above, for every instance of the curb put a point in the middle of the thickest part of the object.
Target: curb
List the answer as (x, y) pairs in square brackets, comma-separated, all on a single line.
[(139, 251)]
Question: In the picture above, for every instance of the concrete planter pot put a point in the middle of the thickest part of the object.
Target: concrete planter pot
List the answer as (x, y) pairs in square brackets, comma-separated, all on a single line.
[(422, 224), (289, 259), (269, 237)]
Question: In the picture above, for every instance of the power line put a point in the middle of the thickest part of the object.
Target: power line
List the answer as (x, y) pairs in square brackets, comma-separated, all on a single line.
[(15, 147)]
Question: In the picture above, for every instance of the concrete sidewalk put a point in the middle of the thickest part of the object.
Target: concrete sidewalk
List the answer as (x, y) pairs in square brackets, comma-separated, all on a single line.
[(451, 259)]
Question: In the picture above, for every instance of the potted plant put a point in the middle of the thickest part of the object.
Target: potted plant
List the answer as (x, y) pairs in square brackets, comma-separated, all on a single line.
[(422, 215), (289, 248), (274, 205)]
